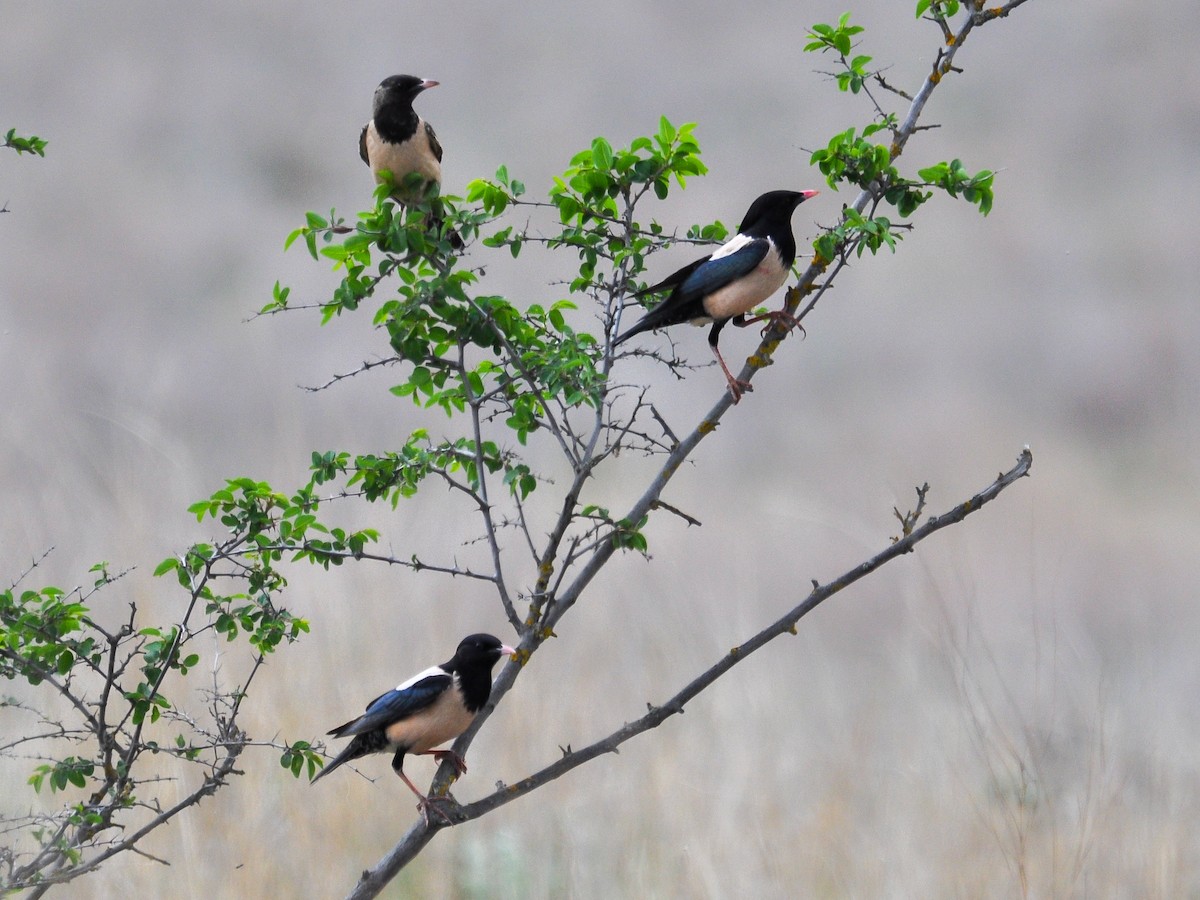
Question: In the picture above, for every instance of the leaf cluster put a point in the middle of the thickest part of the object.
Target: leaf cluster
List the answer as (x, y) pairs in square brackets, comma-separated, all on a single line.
[(851, 157), (114, 682), (43, 632), (525, 365), (32, 144), (594, 199)]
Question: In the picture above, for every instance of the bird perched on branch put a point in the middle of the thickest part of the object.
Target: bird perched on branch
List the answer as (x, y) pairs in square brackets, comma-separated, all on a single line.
[(728, 283), (400, 141), (431, 708)]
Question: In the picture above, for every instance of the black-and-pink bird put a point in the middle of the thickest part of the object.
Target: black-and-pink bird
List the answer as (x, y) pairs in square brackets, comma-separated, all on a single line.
[(400, 141), (734, 279), (431, 708)]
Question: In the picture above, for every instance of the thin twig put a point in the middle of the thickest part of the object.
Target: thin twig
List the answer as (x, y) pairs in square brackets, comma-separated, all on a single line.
[(341, 376), (485, 506)]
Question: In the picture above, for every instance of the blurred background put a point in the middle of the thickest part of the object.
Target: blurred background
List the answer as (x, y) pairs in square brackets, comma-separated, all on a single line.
[(1011, 709)]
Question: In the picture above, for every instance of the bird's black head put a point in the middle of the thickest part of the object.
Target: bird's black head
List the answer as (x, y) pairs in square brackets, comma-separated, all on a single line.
[(400, 90), (772, 209), (479, 651), (770, 216)]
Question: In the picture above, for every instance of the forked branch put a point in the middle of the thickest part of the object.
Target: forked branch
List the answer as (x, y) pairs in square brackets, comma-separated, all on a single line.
[(375, 879)]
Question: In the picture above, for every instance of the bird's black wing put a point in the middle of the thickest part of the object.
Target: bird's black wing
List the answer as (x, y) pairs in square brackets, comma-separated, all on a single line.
[(433, 141), (362, 144), (396, 705), (735, 260), (670, 311), (673, 279), (696, 281)]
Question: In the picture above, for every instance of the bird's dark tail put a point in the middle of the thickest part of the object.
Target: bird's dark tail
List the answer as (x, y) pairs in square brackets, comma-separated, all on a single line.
[(620, 339), (647, 322), (437, 225), (353, 750)]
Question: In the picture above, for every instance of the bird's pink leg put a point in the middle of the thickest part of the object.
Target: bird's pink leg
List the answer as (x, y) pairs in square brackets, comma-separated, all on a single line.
[(736, 387), (424, 804), (440, 756)]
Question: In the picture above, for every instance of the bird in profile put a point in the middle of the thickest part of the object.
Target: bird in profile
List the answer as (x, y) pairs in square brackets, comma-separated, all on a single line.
[(399, 142), (734, 279), (431, 708)]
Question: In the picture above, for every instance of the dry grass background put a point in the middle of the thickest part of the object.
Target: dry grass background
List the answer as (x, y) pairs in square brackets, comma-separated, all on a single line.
[(1013, 708)]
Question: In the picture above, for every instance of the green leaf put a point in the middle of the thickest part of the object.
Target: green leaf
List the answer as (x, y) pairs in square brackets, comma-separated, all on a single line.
[(170, 564), (666, 132), (602, 155)]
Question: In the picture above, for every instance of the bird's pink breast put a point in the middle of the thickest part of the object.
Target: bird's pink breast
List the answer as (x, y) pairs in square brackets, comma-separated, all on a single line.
[(749, 291), (439, 723), (414, 155)]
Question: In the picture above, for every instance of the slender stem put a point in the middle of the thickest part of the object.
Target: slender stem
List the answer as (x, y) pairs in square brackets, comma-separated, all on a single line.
[(485, 507)]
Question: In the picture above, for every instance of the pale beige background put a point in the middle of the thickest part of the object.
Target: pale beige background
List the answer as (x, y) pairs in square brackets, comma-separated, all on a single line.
[(873, 756)]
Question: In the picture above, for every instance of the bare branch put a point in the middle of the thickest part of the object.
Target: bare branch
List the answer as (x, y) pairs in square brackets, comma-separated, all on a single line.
[(32, 565), (365, 367), (662, 504), (485, 507), (374, 880), (883, 83), (211, 782)]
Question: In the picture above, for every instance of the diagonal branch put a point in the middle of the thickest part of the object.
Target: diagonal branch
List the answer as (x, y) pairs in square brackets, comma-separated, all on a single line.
[(684, 448), (944, 64), (373, 880), (592, 559)]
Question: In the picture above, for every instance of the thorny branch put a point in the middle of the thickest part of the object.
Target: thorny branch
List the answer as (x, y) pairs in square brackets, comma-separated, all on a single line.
[(421, 832), (901, 134), (79, 839), (547, 608)]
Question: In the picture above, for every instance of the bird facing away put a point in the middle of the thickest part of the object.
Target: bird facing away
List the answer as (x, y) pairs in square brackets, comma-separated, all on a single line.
[(728, 283), (400, 141), (431, 708)]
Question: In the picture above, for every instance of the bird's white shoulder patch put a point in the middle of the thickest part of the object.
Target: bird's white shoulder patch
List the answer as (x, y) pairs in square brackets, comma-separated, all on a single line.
[(420, 676), (733, 245)]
